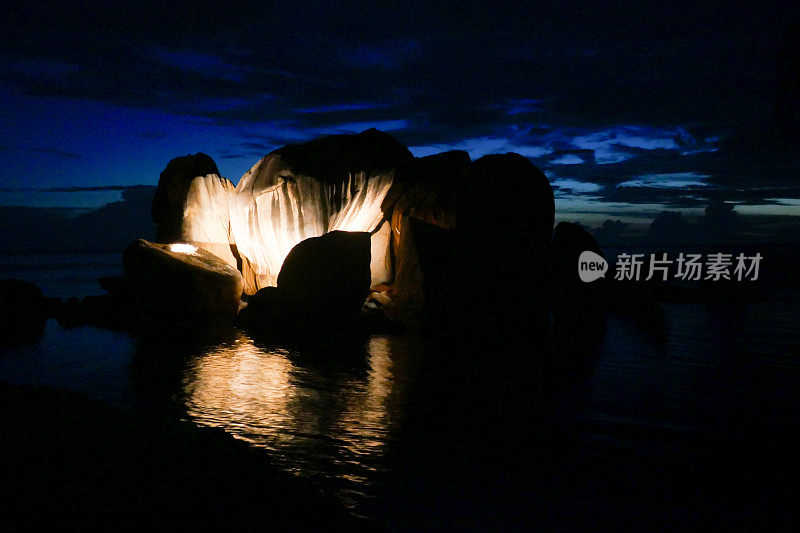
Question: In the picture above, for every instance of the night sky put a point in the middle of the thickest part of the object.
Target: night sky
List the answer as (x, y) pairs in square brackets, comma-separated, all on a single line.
[(629, 108)]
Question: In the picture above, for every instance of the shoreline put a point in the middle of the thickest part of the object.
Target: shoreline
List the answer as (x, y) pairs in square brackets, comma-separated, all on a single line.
[(69, 460)]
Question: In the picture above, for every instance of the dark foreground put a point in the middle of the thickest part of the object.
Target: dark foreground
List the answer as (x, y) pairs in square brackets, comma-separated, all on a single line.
[(69, 462)]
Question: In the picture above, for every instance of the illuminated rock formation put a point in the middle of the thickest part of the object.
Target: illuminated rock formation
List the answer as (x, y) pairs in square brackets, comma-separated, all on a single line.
[(336, 183), (437, 226), (173, 188), (206, 217), (192, 205)]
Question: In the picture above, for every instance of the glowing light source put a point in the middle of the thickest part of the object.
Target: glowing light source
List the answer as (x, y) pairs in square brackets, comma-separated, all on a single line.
[(182, 248)]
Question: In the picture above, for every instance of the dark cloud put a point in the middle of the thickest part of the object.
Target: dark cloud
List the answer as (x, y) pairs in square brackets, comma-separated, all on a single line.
[(596, 95), (255, 146), (57, 152), (562, 60)]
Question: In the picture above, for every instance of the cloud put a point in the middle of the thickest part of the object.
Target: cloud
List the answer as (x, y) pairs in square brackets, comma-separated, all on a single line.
[(520, 106), (206, 64), (339, 108), (480, 146), (575, 186), (386, 55), (254, 146), (573, 88), (38, 67), (668, 181), (57, 152)]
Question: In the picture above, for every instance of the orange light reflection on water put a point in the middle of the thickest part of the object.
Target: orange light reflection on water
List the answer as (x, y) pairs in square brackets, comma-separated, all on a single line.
[(316, 418)]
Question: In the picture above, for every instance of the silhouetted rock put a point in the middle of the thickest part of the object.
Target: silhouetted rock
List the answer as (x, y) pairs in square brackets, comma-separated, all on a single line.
[(569, 240), (321, 288), (183, 285), (505, 212), (328, 275), (428, 193), (578, 306), (430, 186), (506, 192), (331, 159), (192, 205), (434, 248), (22, 312)]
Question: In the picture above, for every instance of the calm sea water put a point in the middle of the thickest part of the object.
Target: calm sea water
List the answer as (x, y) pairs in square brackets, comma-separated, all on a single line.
[(680, 419), (62, 275)]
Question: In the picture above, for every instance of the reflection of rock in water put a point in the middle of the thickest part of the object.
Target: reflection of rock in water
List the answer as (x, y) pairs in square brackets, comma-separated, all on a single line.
[(317, 419)]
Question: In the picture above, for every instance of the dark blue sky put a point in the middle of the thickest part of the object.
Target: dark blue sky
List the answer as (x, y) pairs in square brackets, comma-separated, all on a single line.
[(629, 108)]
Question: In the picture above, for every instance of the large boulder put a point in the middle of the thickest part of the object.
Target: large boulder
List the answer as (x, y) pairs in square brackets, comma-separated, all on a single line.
[(430, 187), (578, 306), (328, 274), (180, 284), (433, 253), (336, 183), (322, 286), (427, 194), (505, 211), (506, 205), (569, 241), (22, 312)]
